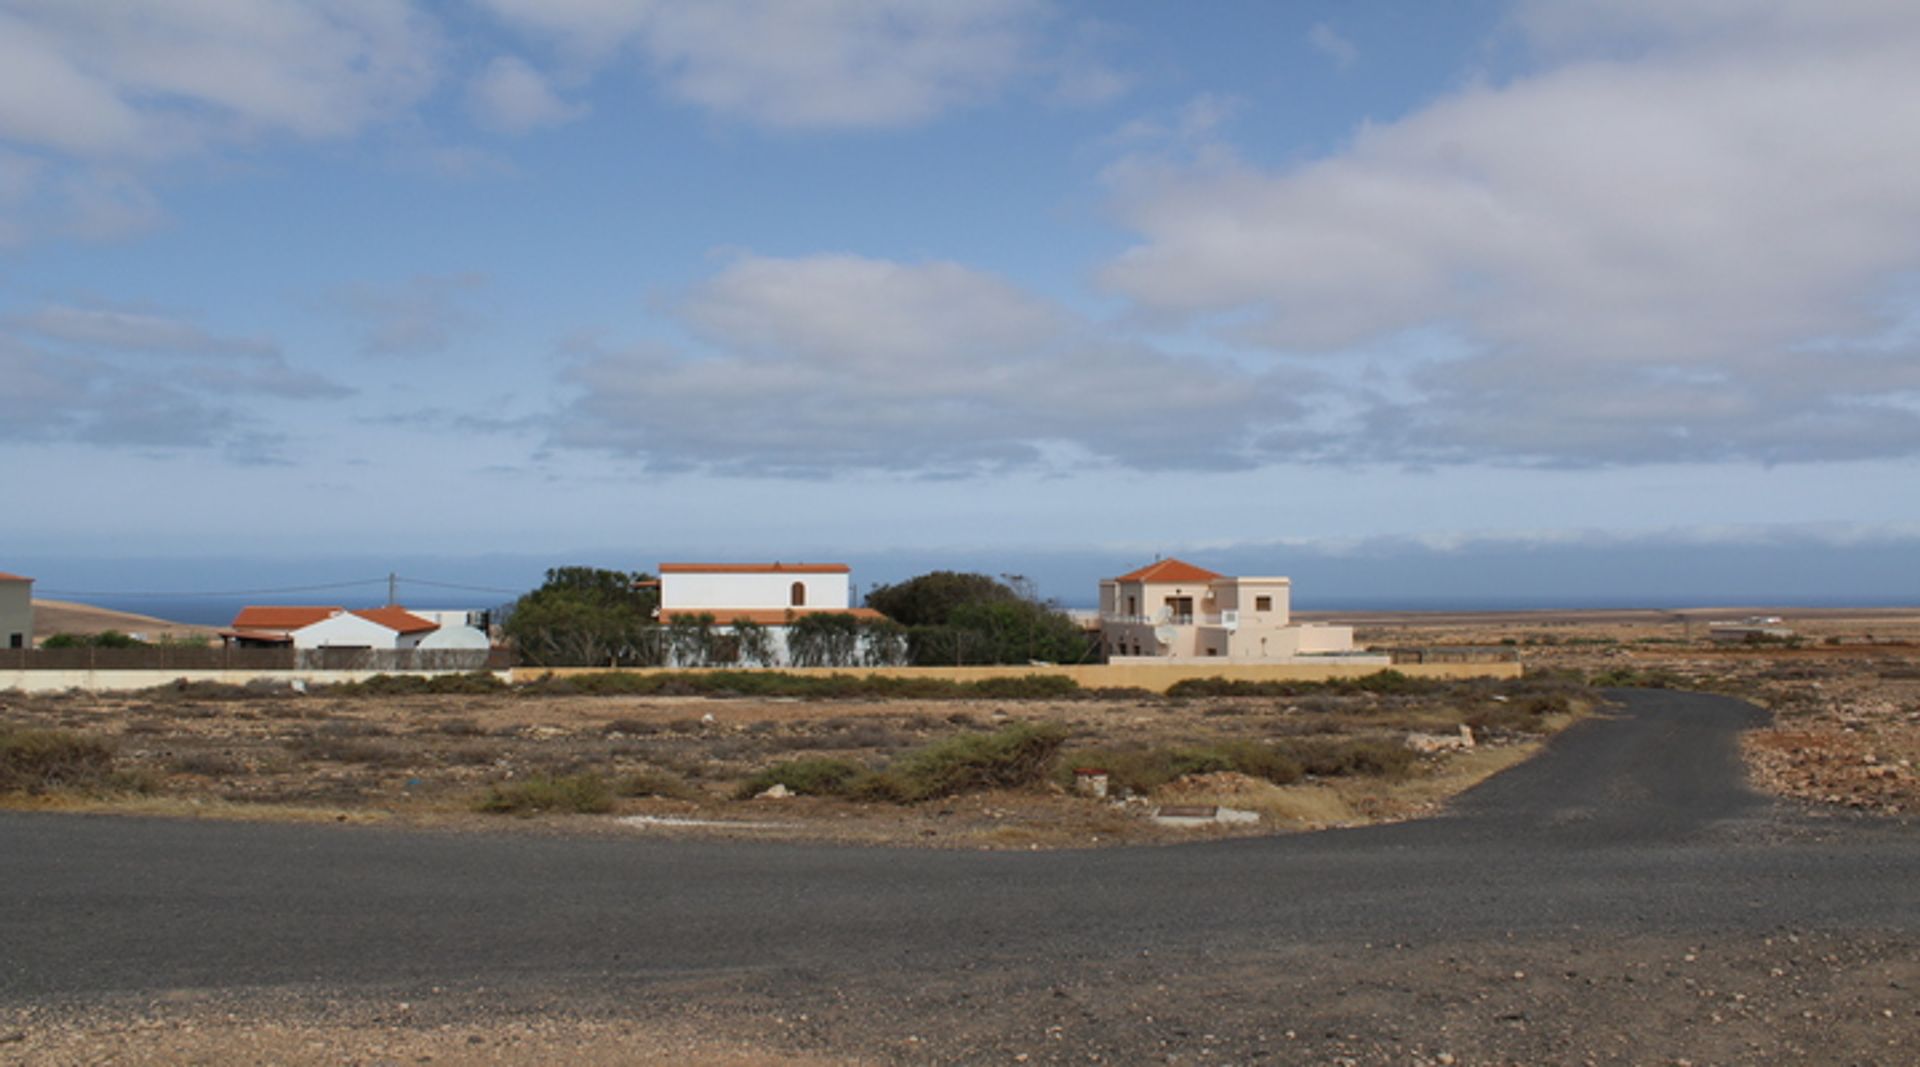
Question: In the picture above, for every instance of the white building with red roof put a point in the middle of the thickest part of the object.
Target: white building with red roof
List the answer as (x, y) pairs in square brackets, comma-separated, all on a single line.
[(329, 627), (16, 611), (1171, 609), (770, 595)]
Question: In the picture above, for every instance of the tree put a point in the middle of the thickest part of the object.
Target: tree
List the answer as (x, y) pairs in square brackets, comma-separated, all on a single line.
[(931, 599), (584, 617), (753, 645), (883, 643), (955, 618), (824, 639), (691, 640)]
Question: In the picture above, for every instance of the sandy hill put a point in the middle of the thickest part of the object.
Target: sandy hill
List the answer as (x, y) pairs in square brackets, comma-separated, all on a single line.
[(66, 617)]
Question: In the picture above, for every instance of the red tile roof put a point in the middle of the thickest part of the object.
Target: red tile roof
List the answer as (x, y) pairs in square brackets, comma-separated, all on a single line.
[(754, 568), (280, 617), (1169, 570), (5, 577), (398, 619), (764, 616)]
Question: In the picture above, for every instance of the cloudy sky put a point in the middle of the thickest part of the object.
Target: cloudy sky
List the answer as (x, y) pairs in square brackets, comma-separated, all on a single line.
[(853, 278)]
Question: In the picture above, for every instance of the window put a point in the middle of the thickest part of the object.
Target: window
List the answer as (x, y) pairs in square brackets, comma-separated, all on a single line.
[(797, 596), (1133, 605), (18, 641), (1263, 603)]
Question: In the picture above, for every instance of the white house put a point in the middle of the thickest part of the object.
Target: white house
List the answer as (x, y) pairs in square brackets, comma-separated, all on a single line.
[(329, 627), (771, 595), (1171, 609), (16, 611)]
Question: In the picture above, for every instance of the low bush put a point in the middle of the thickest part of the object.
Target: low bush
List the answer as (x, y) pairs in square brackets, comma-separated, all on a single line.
[(387, 685), (769, 683), (1018, 755), (584, 794), (806, 777), (1387, 681), (1635, 678), (1142, 769), (652, 782), (1333, 757), (34, 761)]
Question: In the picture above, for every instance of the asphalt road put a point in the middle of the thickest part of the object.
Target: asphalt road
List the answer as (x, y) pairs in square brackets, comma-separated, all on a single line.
[(1634, 825)]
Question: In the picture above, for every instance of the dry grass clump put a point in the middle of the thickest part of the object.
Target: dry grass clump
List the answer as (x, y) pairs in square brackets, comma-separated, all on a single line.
[(584, 794), (36, 761)]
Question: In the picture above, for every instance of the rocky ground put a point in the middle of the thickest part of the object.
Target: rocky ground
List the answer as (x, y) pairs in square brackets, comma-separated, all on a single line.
[(1794, 997), (676, 765)]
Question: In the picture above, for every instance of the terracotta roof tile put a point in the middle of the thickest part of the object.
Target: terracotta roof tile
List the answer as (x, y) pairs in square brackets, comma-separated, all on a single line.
[(5, 577), (754, 568), (1169, 570), (399, 620), (281, 617)]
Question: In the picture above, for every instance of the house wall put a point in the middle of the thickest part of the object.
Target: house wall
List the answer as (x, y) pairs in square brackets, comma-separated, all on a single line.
[(697, 591), (347, 630), (16, 613)]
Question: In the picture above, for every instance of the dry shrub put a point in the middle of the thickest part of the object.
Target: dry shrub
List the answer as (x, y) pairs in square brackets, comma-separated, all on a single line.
[(34, 761)]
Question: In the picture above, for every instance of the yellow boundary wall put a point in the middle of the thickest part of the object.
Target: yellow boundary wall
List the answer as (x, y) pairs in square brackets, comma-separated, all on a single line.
[(1154, 677)]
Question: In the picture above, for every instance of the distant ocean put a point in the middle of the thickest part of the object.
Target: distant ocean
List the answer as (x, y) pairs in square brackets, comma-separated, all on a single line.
[(219, 611)]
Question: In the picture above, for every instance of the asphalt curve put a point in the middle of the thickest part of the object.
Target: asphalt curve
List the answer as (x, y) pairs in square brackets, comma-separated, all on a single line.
[(1635, 821)]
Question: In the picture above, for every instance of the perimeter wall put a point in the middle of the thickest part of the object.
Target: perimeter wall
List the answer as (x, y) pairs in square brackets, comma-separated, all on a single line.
[(1154, 677)]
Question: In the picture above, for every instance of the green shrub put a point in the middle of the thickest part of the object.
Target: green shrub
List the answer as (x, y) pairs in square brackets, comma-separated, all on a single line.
[(584, 794), (1634, 678), (34, 761), (651, 782), (1018, 755), (807, 777), (472, 683), (1143, 770), (1332, 757), (766, 683), (1387, 681)]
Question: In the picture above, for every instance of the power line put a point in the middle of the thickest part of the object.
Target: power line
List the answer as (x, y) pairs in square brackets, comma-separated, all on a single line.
[(185, 594), (404, 580)]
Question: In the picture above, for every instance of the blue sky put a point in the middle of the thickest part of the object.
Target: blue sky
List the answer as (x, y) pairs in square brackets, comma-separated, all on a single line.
[(321, 284)]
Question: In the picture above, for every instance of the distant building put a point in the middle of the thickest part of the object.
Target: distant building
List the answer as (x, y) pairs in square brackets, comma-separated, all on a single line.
[(389, 628), (771, 595), (1753, 630), (16, 611), (1171, 609)]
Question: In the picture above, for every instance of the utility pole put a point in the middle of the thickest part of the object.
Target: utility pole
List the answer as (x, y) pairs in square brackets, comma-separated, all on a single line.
[(393, 582)]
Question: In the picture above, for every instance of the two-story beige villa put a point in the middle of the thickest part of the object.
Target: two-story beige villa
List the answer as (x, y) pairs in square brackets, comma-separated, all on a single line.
[(1172, 609)]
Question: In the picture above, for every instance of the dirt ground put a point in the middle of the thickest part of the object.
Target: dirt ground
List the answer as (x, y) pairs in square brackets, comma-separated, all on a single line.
[(1845, 693), (677, 765)]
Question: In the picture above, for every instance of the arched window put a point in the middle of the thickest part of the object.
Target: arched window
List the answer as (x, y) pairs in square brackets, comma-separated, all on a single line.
[(798, 595)]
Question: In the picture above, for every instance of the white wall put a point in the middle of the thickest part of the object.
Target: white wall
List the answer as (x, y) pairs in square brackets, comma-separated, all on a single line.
[(347, 630), (757, 589), (454, 637), (16, 613)]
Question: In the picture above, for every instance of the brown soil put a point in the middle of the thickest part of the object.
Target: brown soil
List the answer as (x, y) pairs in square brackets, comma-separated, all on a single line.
[(65, 617), (1845, 695), (429, 759)]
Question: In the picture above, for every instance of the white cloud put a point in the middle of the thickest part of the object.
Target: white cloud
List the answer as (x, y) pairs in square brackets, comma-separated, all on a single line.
[(830, 363), (87, 373), (511, 96), (148, 78), (1678, 240), (418, 316), (1328, 40), (810, 63)]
